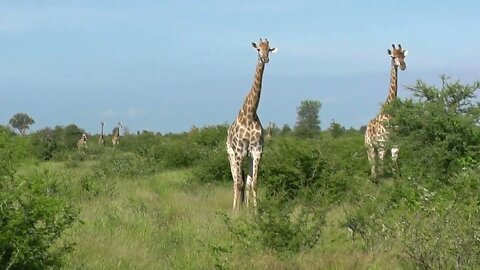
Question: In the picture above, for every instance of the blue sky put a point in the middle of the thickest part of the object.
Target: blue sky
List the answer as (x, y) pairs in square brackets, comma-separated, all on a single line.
[(167, 65)]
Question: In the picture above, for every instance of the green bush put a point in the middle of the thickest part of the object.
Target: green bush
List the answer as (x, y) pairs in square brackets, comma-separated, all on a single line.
[(326, 165), (125, 164), (32, 215), (437, 130), (48, 143), (215, 168), (290, 227), (209, 137), (284, 228)]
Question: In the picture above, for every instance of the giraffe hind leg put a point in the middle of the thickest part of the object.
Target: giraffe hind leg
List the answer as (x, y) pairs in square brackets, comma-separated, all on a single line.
[(371, 159)]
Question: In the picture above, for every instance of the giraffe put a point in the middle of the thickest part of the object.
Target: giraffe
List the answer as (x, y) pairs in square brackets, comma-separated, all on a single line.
[(82, 143), (245, 135), (101, 139), (376, 134), (116, 135), (269, 130)]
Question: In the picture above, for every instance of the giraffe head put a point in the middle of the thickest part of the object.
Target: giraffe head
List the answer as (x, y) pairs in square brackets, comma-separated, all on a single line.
[(398, 56), (263, 49), (120, 125)]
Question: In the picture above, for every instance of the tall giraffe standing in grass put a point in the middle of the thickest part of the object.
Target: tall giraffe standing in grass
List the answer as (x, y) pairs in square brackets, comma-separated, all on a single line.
[(245, 135), (101, 139), (116, 135), (82, 143), (376, 134)]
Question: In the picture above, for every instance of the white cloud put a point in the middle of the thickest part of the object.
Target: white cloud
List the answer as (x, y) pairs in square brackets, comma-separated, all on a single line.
[(109, 114), (134, 112)]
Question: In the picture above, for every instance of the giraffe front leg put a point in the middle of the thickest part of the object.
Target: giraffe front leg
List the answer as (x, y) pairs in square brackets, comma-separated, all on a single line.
[(256, 157), (394, 151), (236, 171), (381, 156)]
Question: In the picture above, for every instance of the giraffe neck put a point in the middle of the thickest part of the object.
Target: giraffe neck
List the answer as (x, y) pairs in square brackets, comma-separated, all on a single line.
[(102, 131), (392, 92), (253, 97)]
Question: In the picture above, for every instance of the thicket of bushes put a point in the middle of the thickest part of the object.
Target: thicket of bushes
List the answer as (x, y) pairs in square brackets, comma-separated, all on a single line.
[(32, 215)]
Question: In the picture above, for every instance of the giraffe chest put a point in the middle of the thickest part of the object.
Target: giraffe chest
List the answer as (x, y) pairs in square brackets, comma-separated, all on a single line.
[(245, 137)]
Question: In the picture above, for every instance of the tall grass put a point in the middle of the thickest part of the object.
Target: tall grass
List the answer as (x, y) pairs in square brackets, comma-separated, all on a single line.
[(161, 221)]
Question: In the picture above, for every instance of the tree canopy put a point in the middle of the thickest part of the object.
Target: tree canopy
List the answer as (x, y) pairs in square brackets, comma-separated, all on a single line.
[(308, 122), (21, 122)]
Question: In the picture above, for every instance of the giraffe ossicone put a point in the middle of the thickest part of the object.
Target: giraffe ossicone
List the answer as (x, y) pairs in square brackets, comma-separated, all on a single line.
[(245, 135), (377, 133)]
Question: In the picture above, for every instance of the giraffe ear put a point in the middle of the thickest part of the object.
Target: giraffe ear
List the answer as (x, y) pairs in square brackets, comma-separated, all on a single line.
[(389, 52), (254, 45), (273, 50), (405, 53)]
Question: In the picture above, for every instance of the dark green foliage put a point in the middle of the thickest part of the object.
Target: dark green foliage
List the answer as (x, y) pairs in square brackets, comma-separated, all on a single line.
[(432, 210), (22, 122), (126, 165), (290, 164), (280, 226), (290, 227), (32, 215), (336, 130), (286, 130), (214, 168), (308, 121), (209, 137), (438, 130), (44, 144), (56, 143), (323, 165)]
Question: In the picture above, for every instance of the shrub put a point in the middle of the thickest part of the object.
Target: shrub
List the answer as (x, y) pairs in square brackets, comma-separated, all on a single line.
[(325, 166), (32, 215), (437, 130), (125, 165), (214, 168), (290, 227)]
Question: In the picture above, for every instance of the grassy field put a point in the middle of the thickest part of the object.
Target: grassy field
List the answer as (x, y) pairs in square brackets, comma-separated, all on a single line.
[(164, 222)]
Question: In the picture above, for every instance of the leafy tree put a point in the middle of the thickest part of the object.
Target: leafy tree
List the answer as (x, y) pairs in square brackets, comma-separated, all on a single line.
[(437, 129), (308, 122), (22, 122), (286, 130), (71, 134), (336, 130)]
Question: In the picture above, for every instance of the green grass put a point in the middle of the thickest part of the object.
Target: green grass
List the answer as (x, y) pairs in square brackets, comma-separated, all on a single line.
[(163, 222)]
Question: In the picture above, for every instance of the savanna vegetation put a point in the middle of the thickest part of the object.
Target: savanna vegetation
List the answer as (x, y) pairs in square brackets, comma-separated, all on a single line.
[(164, 201)]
